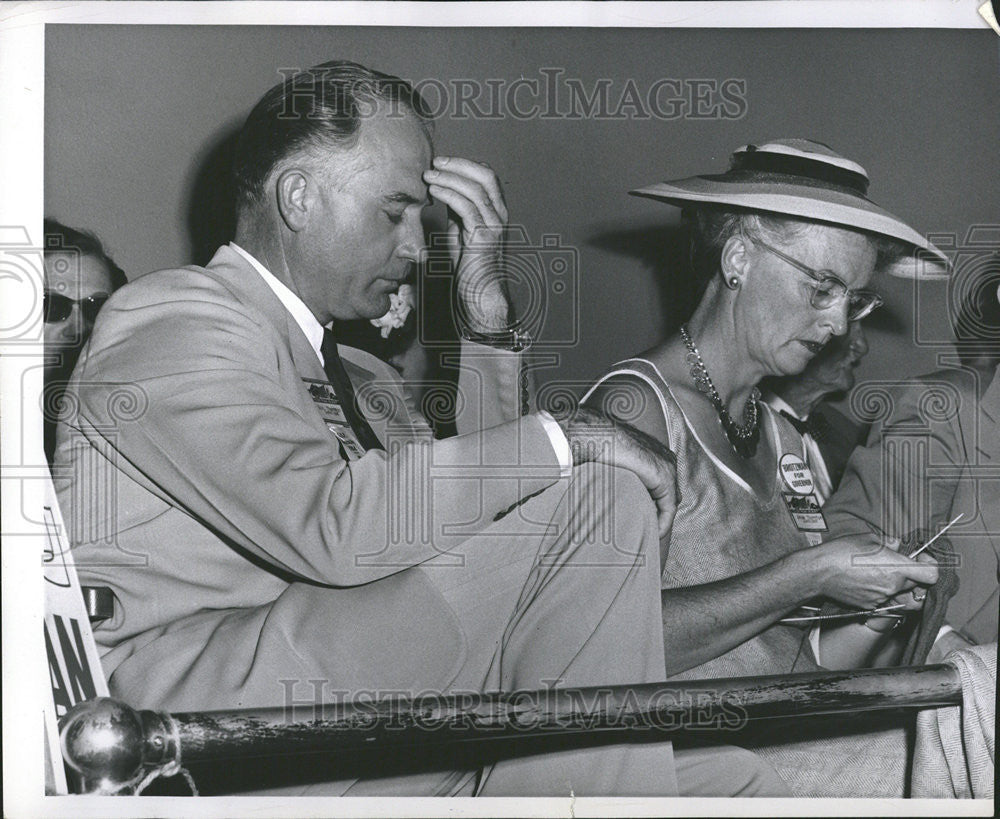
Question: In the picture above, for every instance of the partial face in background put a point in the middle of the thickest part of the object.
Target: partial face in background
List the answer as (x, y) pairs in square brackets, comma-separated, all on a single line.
[(364, 233), (832, 370), (86, 282), (774, 308)]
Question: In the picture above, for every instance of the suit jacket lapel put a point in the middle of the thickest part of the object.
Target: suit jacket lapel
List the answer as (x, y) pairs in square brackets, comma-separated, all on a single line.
[(386, 393), (835, 441)]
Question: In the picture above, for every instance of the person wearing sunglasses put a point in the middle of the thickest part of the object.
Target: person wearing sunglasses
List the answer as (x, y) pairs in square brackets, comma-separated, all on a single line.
[(79, 278), (784, 246)]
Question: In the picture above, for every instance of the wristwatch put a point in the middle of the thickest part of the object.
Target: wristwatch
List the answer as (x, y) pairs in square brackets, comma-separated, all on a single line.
[(512, 339)]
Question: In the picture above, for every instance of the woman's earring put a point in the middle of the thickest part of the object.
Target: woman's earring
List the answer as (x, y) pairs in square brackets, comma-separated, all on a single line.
[(733, 282)]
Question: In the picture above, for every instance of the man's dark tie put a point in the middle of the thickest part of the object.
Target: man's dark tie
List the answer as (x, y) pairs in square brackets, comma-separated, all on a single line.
[(815, 425), (802, 427), (335, 371)]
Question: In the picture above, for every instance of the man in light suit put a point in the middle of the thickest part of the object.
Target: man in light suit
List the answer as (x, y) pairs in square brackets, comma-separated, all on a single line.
[(935, 454), (269, 539)]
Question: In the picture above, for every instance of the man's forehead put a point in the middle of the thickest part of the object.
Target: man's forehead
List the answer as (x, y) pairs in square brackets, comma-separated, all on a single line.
[(392, 153)]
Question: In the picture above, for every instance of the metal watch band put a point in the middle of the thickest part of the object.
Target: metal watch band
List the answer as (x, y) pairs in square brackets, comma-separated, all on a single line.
[(514, 340)]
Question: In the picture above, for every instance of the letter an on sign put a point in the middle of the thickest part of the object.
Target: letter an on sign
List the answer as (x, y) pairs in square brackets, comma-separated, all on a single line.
[(75, 672)]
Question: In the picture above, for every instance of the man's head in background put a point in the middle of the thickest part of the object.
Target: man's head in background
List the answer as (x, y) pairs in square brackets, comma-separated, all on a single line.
[(829, 373), (79, 278), (329, 187)]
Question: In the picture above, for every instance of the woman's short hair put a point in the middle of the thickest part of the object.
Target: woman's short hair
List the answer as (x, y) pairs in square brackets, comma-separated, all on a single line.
[(712, 227), (320, 106), (60, 238)]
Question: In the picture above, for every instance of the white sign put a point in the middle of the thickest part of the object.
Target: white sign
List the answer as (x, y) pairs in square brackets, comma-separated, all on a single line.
[(75, 672)]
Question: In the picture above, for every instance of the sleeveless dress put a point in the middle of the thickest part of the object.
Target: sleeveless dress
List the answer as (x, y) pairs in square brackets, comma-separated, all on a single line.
[(721, 529)]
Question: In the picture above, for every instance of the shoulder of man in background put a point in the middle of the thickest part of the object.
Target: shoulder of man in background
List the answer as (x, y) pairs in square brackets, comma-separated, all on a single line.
[(844, 430)]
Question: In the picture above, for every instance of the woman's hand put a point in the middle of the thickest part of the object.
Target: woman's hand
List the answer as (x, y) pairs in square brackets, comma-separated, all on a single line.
[(859, 571), (916, 597)]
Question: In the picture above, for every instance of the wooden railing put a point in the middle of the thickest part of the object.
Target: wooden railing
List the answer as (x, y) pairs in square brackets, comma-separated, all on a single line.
[(111, 747)]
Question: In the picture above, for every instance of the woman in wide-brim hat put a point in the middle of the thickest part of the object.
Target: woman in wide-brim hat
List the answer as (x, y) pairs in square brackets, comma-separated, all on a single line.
[(787, 243)]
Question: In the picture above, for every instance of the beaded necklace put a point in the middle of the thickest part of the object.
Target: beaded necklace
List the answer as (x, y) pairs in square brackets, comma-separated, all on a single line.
[(743, 438)]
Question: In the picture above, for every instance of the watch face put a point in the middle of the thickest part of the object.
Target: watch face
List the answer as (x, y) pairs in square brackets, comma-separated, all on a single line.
[(522, 341)]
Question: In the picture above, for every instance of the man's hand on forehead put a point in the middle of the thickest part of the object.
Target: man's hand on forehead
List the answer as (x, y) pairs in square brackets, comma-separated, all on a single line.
[(477, 220), (471, 190)]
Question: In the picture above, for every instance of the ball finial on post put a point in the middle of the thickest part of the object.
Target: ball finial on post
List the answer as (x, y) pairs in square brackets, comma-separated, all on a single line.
[(103, 741)]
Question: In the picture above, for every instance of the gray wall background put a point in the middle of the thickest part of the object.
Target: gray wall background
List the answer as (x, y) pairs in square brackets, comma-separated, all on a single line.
[(137, 116)]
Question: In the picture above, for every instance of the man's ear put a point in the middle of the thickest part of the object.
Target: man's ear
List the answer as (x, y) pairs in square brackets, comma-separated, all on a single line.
[(294, 190), (734, 261)]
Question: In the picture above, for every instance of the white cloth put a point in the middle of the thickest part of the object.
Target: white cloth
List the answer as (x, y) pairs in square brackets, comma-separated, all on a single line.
[(955, 749), (559, 443)]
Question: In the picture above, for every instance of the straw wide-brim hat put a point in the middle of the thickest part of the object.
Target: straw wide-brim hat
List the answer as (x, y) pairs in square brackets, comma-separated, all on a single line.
[(805, 179)]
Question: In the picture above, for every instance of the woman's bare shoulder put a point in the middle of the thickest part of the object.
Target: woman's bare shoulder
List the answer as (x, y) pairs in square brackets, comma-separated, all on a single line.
[(631, 399), (668, 360), (631, 392)]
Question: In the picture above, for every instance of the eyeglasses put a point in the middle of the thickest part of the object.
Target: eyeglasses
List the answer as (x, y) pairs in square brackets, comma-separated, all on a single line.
[(830, 289), (57, 307)]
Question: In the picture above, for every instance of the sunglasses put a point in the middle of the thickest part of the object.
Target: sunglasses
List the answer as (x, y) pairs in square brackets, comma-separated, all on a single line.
[(830, 289), (57, 307)]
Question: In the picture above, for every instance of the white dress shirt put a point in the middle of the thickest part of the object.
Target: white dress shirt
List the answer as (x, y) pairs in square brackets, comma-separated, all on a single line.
[(303, 316)]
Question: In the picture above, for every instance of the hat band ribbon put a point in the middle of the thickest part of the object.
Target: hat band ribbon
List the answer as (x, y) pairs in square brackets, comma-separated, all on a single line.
[(767, 162)]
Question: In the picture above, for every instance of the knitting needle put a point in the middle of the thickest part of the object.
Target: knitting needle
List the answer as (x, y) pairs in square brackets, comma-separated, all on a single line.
[(842, 614), (944, 529), (947, 526)]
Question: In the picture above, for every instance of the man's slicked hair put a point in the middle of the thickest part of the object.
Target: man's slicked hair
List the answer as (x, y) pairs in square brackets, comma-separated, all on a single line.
[(320, 106)]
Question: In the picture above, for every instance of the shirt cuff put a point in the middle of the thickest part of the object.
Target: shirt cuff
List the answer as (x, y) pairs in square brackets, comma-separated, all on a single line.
[(943, 631), (560, 444)]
